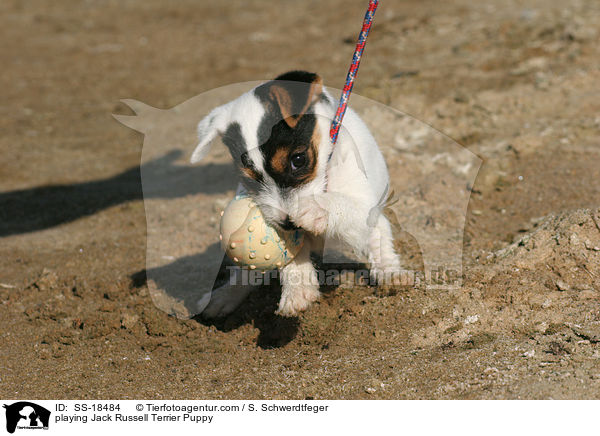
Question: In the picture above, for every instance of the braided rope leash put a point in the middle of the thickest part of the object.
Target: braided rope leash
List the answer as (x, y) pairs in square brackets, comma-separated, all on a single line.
[(358, 51)]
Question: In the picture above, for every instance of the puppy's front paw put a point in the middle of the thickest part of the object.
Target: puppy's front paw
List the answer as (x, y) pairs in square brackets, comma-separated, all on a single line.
[(311, 216), (297, 300)]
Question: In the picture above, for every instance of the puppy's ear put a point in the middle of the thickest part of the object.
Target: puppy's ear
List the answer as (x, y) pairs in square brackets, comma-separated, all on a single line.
[(294, 92), (208, 128)]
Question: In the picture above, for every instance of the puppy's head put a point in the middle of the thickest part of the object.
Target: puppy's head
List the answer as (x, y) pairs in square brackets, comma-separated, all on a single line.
[(275, 138)]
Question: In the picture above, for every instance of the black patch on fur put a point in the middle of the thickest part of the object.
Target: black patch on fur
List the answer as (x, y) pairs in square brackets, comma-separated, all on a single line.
[(262, 92), (234, 140), (246, 163), (297, 83), (274, 133), (265, 126), (297, 76), (272, 115), (296, 140)]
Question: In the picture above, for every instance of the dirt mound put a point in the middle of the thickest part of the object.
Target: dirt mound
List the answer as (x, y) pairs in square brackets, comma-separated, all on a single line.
[(542, 288), (561, 253)]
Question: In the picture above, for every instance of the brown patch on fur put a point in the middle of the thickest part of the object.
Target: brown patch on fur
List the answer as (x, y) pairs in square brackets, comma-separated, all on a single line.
[(284, 100), (280, 159), (249, 172)]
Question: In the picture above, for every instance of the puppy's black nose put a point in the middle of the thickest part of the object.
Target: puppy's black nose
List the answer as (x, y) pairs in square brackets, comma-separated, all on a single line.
[(287, 224)]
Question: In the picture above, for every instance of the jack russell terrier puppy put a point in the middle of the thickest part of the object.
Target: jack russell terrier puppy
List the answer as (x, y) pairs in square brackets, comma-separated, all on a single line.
[(278, 136)]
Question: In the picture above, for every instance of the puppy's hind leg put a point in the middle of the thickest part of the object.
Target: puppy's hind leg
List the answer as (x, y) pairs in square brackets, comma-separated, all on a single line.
[(299, 284), (383, 259)]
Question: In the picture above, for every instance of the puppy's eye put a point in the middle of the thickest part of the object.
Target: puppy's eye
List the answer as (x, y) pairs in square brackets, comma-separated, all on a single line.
[(245, 160), (298, 160)]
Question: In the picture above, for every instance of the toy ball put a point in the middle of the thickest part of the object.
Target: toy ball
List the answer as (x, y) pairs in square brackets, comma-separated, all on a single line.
[(250, 242)]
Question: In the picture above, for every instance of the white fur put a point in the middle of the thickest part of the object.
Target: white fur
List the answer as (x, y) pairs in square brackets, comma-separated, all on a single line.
[(344, 201)]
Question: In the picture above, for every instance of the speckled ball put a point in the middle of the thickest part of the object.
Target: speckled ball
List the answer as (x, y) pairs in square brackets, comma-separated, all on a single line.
[(250, 242)]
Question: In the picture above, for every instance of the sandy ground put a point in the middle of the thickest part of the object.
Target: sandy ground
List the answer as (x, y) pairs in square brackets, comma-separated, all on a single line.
[(515, 82)]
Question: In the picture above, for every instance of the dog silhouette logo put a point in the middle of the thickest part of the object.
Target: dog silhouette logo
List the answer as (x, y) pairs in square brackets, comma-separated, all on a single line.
[(26, 415)]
